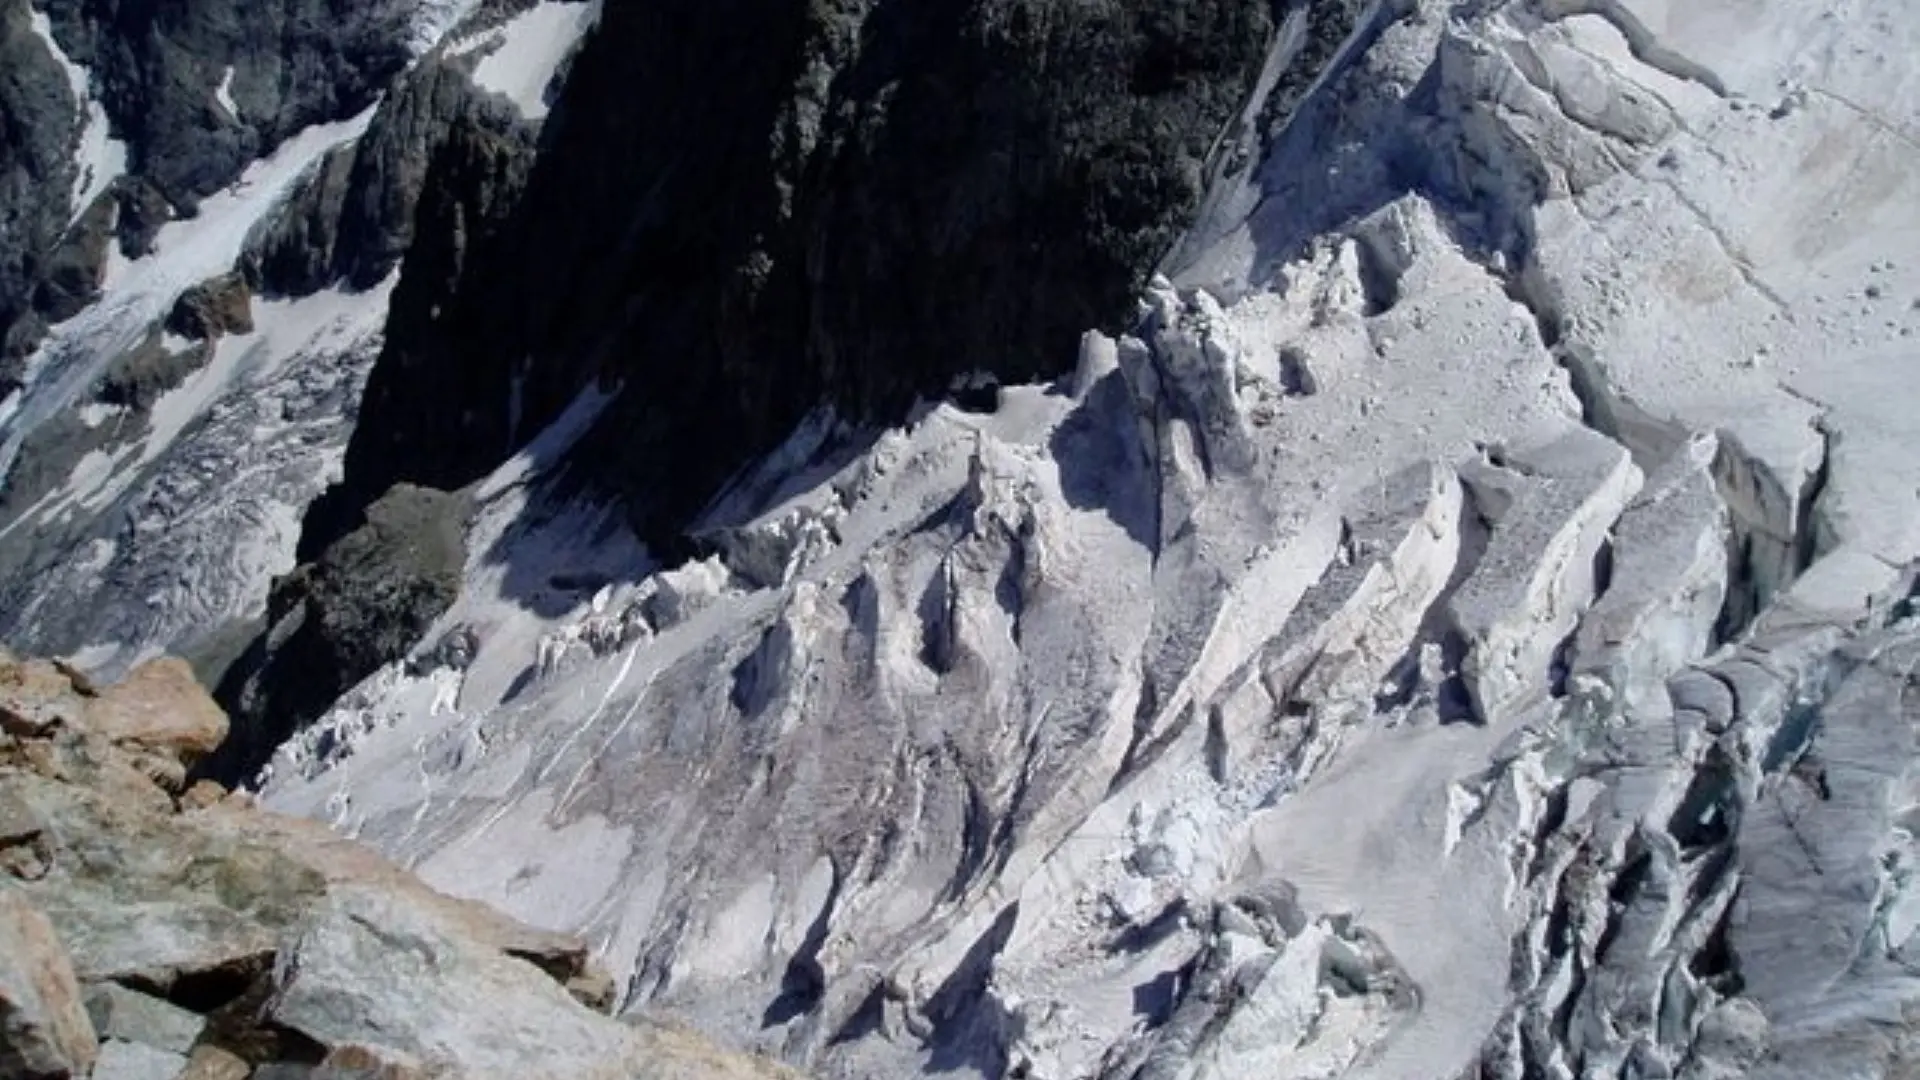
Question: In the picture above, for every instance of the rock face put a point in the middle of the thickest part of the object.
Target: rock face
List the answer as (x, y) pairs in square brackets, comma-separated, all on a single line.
[(365, 601), (137, 940), (42, 122), (200, 89), (354, 219), (728, 188)]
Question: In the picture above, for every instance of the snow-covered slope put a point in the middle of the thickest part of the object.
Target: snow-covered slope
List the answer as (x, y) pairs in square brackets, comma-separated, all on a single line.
[(164, 479), (103, 159), (1464, 631), (1466, 628), (522, 56)]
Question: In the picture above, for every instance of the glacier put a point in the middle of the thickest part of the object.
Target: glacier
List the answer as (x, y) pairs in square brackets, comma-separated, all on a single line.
[(1463, 631), (1465, 628)]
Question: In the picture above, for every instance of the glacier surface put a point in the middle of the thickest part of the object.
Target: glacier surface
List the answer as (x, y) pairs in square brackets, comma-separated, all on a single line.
[(1465, 628)]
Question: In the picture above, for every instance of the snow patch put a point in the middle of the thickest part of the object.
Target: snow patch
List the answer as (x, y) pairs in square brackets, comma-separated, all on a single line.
[(102, 158), (527, 52), (433, 19), (224, 94), (94, 413), (138, 293), (328, 321)]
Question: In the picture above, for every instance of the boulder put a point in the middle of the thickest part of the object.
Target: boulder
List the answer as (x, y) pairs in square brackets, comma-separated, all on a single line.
[(135, 1061), (368, 970), (44, 1030), (131, 1016), (161, 708), (217, 306), (342, 862), (35, 698), (209, 1062)]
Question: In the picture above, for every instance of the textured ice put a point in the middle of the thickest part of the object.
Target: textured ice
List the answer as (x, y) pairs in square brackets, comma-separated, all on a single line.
[(1449, 636), (1465, 628)]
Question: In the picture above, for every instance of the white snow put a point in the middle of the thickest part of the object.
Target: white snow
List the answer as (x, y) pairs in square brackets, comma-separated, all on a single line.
[(1211, 556), (433, 19), (328, 321), (93, 413), (1149, 675), (191, 250), (139, 292), (102, 159), (526, 52), (224, 93)]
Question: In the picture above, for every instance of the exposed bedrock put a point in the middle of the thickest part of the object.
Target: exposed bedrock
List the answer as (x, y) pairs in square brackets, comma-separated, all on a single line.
[(332, 622), (166, 71), (40, 124), (748, 208), (352, 220)]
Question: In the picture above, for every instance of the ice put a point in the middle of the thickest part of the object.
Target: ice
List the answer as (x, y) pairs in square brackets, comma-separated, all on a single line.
[(1448, 635), (137, 293)]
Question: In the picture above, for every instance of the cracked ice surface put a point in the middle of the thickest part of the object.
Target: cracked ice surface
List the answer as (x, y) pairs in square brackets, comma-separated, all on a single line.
[(1471, 636)]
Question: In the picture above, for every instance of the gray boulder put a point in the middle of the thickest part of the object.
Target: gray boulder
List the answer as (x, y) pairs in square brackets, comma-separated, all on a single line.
[(135, 1061), (120, 1013)]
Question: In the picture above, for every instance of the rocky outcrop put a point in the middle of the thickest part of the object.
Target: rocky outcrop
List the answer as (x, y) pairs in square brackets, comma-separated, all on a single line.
[(166, 72), (222, 305), (147, 931), (728, 189), (353, 218), (143, 210), (40, 126), (71, 275), (364, 602)]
